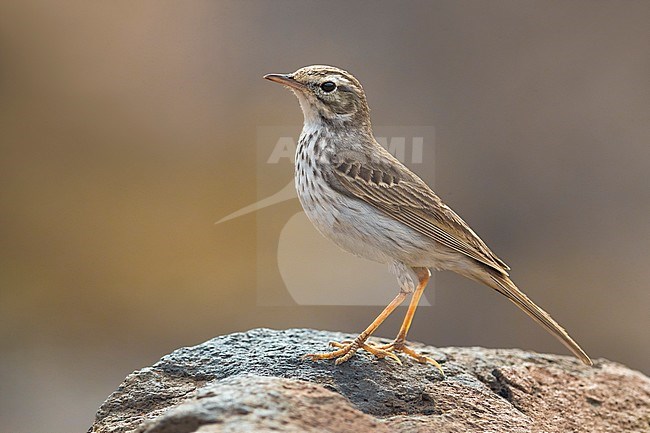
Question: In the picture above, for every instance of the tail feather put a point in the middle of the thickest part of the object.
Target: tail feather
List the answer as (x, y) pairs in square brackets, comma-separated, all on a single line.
[(506, 287)]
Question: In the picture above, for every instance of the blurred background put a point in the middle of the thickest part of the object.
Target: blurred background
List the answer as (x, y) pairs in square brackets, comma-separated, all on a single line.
[(128, 128)]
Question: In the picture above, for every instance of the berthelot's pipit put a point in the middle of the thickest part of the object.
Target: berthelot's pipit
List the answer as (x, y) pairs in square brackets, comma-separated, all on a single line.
[(368, 203)]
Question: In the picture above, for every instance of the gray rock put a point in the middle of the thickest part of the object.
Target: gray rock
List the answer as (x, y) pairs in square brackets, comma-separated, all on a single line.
[(256, 381)]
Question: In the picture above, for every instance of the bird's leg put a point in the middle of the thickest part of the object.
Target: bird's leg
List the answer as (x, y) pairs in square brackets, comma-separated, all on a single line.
[(423, 276), (399, 344), (348, 348)]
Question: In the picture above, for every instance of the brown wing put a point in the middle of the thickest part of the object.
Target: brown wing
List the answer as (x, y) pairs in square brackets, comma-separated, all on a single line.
[(406, 198)]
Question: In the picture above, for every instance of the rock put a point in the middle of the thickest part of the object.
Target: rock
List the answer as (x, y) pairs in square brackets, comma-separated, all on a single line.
[(256, 381)]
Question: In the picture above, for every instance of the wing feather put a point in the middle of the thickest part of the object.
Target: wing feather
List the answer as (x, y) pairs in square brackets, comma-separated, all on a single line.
[(403, 196)]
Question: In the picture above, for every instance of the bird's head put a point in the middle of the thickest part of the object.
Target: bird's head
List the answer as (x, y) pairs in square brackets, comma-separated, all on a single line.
[(327, 95)]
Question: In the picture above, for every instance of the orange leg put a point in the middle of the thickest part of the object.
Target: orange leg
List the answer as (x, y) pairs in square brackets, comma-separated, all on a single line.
[(424, 275), (347, 349), (398, 345)]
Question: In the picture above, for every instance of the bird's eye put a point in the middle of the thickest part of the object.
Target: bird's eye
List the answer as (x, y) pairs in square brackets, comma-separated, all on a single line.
[(328, 86)]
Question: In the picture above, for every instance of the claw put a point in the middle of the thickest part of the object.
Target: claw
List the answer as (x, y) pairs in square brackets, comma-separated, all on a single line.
[(398, 346), (421, 358), (435, 364), (328, 355), (341, 344), (344, 352), (347, 348), (380, 352)]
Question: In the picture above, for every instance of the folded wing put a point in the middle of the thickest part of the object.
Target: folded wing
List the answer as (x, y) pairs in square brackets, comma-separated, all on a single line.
[(410, 201)]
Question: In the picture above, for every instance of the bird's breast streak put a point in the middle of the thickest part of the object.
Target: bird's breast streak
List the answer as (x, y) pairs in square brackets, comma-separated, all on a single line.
[(338, 217)]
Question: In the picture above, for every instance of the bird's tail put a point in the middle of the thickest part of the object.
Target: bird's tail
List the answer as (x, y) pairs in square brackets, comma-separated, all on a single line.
[(504, 285)]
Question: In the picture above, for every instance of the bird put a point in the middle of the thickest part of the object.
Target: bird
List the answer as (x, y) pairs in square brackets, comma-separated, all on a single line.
[(358, 195)]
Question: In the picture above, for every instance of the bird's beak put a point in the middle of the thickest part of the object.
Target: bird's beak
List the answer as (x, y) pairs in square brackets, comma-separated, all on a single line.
[(285, 79)]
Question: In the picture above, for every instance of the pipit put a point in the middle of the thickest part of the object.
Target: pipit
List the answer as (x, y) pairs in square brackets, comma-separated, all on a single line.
[(367, 202)]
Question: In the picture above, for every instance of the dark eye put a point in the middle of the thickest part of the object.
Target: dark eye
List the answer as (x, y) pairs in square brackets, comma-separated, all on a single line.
[(328, 86)]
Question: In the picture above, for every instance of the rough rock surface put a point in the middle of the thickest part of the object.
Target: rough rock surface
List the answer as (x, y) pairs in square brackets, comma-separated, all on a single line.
[(256, 381)]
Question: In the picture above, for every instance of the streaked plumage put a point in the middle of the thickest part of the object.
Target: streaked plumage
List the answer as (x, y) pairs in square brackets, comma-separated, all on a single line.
[(366, 201)]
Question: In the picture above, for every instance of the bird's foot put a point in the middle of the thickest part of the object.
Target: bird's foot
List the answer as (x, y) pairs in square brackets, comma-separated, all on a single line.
[(346, 349), (400, 346)]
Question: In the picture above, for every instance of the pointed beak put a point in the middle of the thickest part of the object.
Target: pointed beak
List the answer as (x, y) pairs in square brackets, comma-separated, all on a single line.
[(285, 79)]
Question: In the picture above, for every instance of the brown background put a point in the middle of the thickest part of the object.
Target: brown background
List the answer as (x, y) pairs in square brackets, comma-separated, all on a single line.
[(128, 128)]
